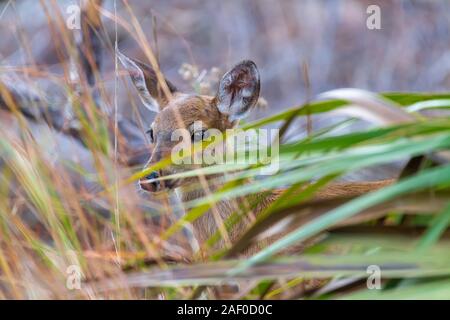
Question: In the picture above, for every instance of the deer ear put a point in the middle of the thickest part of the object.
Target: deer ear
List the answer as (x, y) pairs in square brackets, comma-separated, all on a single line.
[(144, 79), (238, 90)]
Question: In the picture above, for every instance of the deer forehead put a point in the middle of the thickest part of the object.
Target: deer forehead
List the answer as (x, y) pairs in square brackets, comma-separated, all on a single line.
[(183, 110)]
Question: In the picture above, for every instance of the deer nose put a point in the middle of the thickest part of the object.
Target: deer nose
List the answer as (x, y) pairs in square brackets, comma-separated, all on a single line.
[(150, 186)]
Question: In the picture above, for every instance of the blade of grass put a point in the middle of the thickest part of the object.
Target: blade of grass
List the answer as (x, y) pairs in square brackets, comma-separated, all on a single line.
[(426, 179)]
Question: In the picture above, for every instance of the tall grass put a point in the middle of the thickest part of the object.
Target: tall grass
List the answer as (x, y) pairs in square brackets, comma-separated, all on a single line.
[(57, 212)]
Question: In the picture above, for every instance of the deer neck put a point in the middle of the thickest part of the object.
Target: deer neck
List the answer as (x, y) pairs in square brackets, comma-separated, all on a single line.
[(209, 185), (205, 226)]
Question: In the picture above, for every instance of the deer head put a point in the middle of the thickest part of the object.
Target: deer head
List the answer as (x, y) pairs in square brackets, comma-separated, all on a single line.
[(236, 96)]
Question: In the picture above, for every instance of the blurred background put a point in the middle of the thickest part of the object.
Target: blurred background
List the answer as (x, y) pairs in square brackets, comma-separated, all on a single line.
[(58, 174), (330, 37)]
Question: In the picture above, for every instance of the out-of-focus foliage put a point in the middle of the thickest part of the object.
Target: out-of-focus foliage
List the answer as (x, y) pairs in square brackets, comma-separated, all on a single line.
[(68, 209)]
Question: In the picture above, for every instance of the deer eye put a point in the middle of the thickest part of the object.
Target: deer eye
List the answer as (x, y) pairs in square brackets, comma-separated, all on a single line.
[(150, 134)]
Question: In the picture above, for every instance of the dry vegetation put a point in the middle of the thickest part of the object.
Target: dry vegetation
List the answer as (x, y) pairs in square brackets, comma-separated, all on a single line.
[(73, 143)]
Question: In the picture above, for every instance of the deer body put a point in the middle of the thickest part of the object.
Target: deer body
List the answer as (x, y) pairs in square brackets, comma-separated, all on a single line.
[(236, 96), (205, 226)]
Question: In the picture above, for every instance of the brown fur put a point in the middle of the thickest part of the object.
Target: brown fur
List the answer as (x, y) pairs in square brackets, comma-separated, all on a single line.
[(237, 94), (182, 111), (205, 226), (188, 109)]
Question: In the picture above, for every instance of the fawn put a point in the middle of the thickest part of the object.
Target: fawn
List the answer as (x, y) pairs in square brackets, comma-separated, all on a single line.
[(237, 95)]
